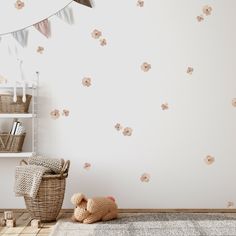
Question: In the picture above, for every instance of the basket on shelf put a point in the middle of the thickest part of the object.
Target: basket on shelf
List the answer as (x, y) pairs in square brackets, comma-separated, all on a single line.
[(11, 143), (7, 105), (48, 202)]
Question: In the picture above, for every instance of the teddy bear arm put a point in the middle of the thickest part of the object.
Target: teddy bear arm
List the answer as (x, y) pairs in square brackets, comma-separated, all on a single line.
[(94, 217), (110, 215)]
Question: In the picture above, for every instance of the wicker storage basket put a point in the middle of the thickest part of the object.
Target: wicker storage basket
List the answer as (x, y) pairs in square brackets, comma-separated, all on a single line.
[(48, 202), (8, 106), (11, 143)]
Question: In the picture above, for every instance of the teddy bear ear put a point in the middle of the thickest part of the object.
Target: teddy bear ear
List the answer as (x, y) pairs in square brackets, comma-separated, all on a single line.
[(77, 198)]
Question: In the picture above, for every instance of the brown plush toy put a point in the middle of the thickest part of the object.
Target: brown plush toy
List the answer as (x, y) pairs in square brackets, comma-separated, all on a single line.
[(93, 209)]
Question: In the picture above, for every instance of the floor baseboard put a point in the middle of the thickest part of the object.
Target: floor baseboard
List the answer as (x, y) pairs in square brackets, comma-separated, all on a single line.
[(141, 210)]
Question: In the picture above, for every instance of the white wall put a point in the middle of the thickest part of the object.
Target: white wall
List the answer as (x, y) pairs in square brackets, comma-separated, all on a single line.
[(169, 145)]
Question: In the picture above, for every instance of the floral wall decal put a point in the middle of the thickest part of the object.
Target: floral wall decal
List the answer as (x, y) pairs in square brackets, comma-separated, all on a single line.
[(19, 4), (103, 42), (190, 70), (87, 166), (234, 102), (40, 49), (127, 131), (207, 10), (200, 18), (86, 81), (209, 160), (165, 106), (145, 178), (118, 127), (140, 3), (146, 67), (65, 112), (96, 34), (230, 204), (55, 114)]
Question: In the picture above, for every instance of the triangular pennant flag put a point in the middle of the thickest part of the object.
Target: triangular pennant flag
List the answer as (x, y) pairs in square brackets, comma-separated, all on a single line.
[(66, 15), (21, 36), (44, 27), (85, 2)]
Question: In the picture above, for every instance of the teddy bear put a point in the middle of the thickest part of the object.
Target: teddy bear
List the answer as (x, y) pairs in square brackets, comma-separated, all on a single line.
[(91, 210)]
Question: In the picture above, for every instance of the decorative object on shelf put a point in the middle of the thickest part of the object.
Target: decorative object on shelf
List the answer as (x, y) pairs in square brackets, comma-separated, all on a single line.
[(8, 106), (2, 222), (95, 209), (8, 215), (48, 201), (11, 143), (11, 223), (35, 223)]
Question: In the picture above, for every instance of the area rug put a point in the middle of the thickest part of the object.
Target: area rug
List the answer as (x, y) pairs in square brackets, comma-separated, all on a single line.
[(153, 224)]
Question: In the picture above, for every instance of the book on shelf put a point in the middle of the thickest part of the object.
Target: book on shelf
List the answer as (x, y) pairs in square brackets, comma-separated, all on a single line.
[(17, 128)]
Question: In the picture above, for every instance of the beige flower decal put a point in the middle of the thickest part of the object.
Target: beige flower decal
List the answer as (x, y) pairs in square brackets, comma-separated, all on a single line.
[(55, 114), (200, 18), (140, 3), (234, 102), (96, 34), (103, 42), (190, 70), (145, 177), (145, 67), (87, 166), (164, 106), (3, 80), (207, 10), (65, 112), (209, 160), (86, 82), (127, 131), (40, 49), (118, 127), (230, 204), (19, 4)]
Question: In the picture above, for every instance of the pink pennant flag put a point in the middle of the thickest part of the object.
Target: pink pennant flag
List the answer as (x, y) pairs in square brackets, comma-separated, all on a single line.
[(44, 27)]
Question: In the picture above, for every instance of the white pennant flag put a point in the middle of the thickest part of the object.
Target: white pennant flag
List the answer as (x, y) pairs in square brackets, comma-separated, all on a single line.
[(66, 15), (21, 36)]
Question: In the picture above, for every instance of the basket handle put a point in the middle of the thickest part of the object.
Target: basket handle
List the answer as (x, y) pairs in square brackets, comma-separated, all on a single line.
[(23, 162), (65, 168)]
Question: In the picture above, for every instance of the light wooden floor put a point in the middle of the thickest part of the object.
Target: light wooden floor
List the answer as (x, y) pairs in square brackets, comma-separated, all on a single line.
[(23, 227)]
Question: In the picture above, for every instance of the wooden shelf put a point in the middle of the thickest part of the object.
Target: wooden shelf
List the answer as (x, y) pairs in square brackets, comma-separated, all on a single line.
[(19, 154), (29, 85), (17, 115)]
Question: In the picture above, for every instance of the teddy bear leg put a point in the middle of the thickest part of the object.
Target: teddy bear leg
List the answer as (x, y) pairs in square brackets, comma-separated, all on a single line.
[(109, 216), (93, 218)]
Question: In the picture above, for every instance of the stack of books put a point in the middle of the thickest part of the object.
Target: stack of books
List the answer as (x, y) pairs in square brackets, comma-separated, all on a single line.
[(17, 128)]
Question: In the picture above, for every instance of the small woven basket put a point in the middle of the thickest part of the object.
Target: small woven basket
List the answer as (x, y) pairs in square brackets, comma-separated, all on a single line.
[(7, 105), (11, 143), (48, 202)]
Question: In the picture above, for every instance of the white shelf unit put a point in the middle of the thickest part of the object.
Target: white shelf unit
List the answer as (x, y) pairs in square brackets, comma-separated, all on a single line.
[(33, 87)]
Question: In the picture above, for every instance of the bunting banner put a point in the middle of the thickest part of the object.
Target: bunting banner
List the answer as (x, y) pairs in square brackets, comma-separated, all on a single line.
[(66, 15), (84, 2), (21, 37), (44, 27)]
